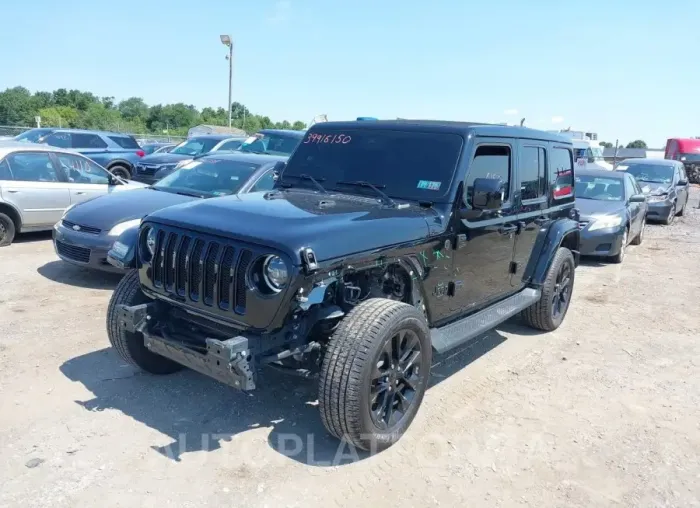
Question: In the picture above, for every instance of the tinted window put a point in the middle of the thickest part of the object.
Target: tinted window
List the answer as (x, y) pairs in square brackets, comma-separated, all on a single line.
[(33, 135), (208, 177), (654, 173), (532, 172), (81, 170), (492, 162), (599, 188), (32, 167), (404, 164), (231, 145), (126, 142), (273, 144), (195, 146), (5, 173), (265, 183), (87, 141), (561, 168), (59, 139)]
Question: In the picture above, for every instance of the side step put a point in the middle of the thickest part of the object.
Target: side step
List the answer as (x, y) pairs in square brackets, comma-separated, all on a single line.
[(459, 332)]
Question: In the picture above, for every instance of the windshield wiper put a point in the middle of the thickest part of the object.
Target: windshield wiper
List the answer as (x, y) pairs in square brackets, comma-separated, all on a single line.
[(310, 178), (384, 197)]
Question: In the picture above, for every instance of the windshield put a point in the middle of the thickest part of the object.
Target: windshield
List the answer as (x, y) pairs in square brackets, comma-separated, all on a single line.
[(403, 164), (592, 152), (273, 144), (690, 157), (601, 189), (208, 177), (654, 173), (33, 135), (195, 146)]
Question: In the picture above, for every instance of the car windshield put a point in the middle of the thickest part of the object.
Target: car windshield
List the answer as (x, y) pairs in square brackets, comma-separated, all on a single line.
[(208, 177), (33, 135), (654, 173), (273, 144), (598, 188), (195, 146), (403, 164), (690, 157)]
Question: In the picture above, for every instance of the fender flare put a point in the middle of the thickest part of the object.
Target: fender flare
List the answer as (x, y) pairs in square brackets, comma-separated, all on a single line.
[(562, 233)]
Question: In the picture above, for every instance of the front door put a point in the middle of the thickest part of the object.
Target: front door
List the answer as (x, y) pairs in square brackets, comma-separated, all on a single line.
[(484, 250), (636, 210), (682, 190)]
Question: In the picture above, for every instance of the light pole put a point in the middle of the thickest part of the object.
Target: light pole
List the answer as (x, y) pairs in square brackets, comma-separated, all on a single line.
[(226, 41)]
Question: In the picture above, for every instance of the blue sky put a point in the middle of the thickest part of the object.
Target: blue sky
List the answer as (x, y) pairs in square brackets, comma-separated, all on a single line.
[(624, 69)]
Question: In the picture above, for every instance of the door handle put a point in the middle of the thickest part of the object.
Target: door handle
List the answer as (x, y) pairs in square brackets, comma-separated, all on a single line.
[(507, 230), (12, 191), (80, 193)]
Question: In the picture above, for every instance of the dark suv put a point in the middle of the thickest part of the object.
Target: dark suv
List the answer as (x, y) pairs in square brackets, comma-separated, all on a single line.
[(112, 150), (382, 242)]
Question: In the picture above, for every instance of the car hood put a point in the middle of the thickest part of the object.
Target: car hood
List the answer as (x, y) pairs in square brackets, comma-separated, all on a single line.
[(105, 212), (652, 188), (589, 208), (164, 158), (333, 225)]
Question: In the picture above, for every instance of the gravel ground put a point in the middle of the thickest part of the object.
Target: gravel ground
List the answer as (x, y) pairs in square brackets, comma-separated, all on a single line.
[(602, 412)]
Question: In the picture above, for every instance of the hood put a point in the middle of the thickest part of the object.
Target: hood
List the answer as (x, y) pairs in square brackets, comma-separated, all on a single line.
[(333, 225), (652, 188), (105, 212), (592, 207), (164, 158)]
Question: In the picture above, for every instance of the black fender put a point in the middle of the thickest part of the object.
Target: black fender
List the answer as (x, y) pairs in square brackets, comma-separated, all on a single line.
[(123, 251), (561, 233)]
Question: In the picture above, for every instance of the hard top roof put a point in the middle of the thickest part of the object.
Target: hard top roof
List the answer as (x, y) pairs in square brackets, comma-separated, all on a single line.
[(651, 162), (85, 131), (605, 173), (462, 128), (8, 146), (253, 158), (219, 137), (283, 132)]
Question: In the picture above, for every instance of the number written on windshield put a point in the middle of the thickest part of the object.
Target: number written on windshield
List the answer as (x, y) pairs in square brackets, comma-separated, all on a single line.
[(328, 139)]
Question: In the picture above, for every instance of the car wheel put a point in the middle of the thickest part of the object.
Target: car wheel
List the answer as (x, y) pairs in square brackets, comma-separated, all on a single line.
[(120, 171), (620, 256), (548, 313), (637, 240), (7, 230), (681, 213), (375, 372), (130, 346), (671, 215)]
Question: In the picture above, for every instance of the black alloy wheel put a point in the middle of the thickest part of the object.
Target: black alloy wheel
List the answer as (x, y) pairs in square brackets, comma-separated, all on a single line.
[(561, 296)]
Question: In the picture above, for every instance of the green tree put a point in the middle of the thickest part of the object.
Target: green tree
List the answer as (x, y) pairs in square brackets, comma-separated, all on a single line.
[(238, 111), (298, 125), (100, 118), (637, 143), (16, 107), (605, 144), (59, 116), (133, 108)]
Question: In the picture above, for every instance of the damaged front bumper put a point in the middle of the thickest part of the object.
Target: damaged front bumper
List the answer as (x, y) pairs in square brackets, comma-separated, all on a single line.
[(228, 361)]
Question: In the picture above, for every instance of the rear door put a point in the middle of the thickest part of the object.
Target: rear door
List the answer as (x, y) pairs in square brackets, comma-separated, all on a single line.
[(36, 189), (86, 179)]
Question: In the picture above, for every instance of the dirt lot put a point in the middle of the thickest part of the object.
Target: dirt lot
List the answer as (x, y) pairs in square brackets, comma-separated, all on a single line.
[(603, 412)]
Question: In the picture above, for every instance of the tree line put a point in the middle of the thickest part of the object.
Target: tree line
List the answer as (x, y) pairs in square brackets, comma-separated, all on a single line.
[(84, 110), (637, 143)]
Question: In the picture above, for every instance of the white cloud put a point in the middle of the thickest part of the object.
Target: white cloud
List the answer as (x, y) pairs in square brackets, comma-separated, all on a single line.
[(557, 119), (510, 112), (280, 12)]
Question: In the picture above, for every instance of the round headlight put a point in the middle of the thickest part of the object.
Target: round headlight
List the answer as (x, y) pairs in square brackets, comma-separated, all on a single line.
[(275, 273), (151, 241)]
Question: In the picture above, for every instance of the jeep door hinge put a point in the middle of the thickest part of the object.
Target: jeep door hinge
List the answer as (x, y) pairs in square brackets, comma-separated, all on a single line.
[(308, 259), (513, 268)]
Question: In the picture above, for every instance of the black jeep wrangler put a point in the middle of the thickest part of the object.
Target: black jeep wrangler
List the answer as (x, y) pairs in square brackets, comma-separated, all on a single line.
[(382, 242)]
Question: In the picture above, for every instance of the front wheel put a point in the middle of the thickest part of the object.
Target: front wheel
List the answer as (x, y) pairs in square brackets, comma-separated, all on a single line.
[(671, 215), (548, 313), (638, 239), (120, 171), (620, 256), (7, 230), (375, 372)]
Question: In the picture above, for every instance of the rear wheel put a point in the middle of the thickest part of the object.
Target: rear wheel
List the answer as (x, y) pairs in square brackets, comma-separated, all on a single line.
[(120, 171), (130, 346), (548, 313), (375, 372), (7, 230)]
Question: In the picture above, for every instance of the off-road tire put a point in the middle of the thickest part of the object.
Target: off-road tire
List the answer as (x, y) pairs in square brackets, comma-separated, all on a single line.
[(539, 314), (344, 385), (130, 346), (637, 240), (7, 227), (120, 171)]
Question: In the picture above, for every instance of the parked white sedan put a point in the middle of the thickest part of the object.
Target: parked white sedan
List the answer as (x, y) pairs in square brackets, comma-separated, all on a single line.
[(38, 183)]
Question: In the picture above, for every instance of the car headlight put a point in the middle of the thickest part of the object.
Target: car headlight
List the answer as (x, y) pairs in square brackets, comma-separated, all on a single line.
[(609, 221), (151, 241), (123, 226), (275, 273), (657, 197)]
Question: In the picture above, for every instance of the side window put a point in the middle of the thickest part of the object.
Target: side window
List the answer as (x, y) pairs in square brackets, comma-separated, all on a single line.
[(59, 140), (88, 141), (81, 170), (681, 170), (532, 172), (5, 173), (231, 145), (561, 176), (32, 167), (629, 186), (265, 183), (637, 188), (490, 161)]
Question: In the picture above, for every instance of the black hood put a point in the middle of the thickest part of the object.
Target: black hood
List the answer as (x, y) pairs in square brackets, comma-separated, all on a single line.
[(332, 225), (164, 158), (107, 211), (590, 207)]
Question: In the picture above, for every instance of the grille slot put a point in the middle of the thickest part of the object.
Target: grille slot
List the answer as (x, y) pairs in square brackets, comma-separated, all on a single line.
[(226, 277), (195, 270), (181, 264), (241, 271), (80, 254), (210, 272), (83, 229)]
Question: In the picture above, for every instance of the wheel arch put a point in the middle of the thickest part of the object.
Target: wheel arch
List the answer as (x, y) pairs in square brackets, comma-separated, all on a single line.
[(13, 213), (563, 233)]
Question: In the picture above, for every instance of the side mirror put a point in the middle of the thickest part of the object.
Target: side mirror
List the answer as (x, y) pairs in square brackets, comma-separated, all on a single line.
[(275, 176), (487, 194), (279, 167), (682, 183), (638, 198)]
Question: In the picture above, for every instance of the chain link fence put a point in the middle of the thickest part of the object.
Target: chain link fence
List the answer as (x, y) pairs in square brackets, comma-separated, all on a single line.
[(10, 131)]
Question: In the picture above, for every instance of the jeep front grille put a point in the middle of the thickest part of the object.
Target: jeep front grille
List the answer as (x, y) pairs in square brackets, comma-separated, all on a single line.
[(209, 272)]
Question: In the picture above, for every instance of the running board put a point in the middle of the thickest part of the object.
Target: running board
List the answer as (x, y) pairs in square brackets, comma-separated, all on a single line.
[(459, 332)]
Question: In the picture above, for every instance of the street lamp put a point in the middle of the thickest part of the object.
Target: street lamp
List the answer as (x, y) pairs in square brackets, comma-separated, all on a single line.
[(226, 41)]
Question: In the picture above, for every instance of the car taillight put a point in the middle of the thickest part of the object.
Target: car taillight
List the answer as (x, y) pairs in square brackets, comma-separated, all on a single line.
[(140, 153)]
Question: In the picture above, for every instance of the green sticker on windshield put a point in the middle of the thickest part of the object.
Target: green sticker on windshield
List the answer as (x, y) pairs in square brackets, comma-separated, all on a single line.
[(428, 185)]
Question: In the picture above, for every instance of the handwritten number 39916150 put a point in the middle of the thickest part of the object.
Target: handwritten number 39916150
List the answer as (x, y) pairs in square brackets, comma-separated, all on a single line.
[(328, 139)]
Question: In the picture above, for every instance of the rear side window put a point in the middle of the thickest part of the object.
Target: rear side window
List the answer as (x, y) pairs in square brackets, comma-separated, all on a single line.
[(561, 173), (532, 172), (88, 141), (59, 140), (5, 173), (128, 142)]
